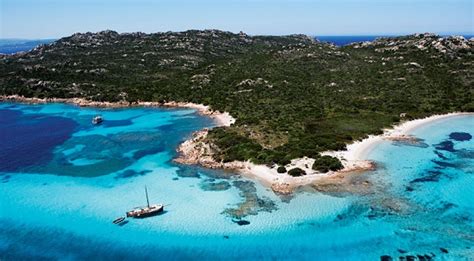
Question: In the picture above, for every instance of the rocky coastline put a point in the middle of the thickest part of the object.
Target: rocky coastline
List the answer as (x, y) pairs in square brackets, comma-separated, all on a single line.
[(199, 151)]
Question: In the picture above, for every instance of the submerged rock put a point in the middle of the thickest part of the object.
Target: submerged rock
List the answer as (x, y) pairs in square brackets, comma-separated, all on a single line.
[(444, 164), (252, 203), (433, 176), (440, 155), (345, 183), (423, 257), (407, 140), (352, 211), (465, 154), (443, 250), (460, 136), (131, 173), (187, 173), (215, 186), (445, 145)]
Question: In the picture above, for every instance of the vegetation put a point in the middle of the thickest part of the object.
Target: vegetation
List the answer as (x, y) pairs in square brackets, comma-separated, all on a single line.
[(296, 172), (281, 169), (292, 96), (326, 163)]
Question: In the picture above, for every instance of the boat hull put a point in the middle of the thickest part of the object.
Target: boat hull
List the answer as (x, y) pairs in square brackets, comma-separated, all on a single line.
[(149, 214), (146, 212), (119, 220)]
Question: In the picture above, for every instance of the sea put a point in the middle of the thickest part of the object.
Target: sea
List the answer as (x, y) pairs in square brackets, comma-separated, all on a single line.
[(64, 180), (341, 40), (11, 46)]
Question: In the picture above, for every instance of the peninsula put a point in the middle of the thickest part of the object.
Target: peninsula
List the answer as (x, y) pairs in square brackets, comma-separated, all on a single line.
[(288, 100)]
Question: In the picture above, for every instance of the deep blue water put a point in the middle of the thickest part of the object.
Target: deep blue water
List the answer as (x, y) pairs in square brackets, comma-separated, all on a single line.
[(11, 46), (29, 139), (344, 40), (60, 203)]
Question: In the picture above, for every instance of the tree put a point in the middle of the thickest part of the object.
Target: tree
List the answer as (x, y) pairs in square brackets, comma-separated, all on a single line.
[(325, 163), (296, 172)]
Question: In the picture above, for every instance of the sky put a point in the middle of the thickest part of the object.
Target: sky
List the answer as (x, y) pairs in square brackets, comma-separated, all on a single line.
[(35, 19)]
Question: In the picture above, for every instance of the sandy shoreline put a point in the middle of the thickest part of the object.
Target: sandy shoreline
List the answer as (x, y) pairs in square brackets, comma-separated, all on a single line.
[(354, 159), (359, 150), (198, 151)]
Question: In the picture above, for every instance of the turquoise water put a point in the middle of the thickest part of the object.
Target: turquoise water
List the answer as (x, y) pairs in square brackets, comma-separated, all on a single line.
[(63, 181)]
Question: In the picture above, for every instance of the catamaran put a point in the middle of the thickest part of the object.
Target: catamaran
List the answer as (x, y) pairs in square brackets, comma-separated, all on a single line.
[(148, 211)]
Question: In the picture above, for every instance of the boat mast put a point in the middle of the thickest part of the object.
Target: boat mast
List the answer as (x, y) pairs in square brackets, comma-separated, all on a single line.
[(147, 201)]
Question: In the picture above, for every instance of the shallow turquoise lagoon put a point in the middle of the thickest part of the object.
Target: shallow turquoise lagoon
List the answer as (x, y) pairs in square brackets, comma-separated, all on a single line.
[(63, 181)]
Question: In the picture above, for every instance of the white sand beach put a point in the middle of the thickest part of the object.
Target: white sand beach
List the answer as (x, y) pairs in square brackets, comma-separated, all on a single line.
[(354, 159), (356, 153), (197, 151), (221, 118)]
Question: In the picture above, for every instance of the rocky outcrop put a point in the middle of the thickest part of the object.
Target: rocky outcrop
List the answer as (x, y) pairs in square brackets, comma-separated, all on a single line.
[(282, 188), (405, 139), (451, 45), (198, 150)]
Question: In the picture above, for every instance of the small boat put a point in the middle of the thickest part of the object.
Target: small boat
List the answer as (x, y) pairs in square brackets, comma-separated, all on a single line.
[(118, 220), (97, 120), (148, 211)]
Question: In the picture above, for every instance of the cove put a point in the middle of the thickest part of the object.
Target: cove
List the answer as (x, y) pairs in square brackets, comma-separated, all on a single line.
[(95, 173)]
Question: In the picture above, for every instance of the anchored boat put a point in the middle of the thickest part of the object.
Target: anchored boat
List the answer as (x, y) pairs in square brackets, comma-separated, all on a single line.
[(97, 120), (148, 211)]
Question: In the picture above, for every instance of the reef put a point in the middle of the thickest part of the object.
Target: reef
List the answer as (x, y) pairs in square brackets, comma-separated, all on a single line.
[(252, 203)]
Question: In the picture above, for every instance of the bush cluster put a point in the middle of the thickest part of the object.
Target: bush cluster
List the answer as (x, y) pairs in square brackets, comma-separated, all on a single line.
[(296, 172), (292, 97), (326, 163)]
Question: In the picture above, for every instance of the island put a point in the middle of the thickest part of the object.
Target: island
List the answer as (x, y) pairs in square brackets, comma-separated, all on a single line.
[(287, 106)]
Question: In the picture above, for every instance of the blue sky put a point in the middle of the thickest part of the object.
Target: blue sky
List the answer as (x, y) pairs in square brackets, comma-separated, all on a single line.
[(57, 18)]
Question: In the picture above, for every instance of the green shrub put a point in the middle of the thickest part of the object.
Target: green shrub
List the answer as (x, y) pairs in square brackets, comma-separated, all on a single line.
[(281, 169), (325, 163), (290, 113), (296, 172)]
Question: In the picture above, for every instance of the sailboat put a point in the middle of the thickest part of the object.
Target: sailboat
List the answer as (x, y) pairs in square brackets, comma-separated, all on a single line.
[(148, 211)]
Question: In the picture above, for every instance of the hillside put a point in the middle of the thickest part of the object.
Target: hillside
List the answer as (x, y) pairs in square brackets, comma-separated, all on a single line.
[(292, 96)]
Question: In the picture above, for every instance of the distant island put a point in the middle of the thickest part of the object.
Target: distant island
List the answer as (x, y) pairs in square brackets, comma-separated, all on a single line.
[(292, 97)]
